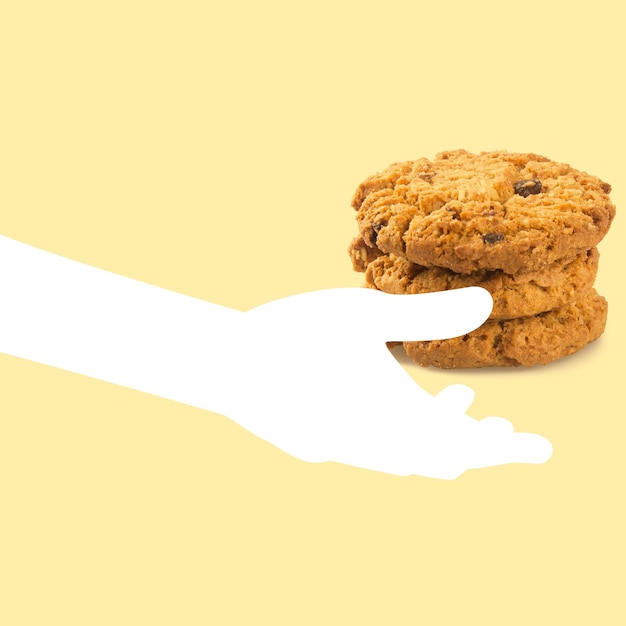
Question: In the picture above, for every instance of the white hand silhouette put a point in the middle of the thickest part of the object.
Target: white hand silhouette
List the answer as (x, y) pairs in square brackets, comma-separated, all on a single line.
[(310, 373)]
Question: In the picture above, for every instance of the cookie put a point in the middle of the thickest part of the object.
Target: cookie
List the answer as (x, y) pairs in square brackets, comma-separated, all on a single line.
[(362, 255), (514, 295), (527, 341), (489, 211)]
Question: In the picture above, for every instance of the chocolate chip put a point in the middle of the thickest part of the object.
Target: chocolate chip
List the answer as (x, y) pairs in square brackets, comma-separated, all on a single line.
[(493, 237), (528, 187)]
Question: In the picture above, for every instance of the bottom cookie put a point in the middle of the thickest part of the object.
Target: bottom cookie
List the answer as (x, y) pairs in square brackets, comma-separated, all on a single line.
[(527, 341)]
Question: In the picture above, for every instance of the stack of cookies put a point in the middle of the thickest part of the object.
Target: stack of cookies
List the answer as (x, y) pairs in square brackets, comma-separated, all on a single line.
[(520, 225)]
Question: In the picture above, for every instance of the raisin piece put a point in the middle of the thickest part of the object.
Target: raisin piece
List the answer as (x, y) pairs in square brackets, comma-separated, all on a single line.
[(376, 228), (528, 187), (493, 237)]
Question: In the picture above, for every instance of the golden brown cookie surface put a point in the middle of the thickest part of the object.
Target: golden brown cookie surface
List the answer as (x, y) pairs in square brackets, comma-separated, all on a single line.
[(493, 210), (514, 295), (528, 341)]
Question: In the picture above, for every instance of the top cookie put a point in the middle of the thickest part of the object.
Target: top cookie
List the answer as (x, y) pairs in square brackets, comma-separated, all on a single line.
[(493, 210)]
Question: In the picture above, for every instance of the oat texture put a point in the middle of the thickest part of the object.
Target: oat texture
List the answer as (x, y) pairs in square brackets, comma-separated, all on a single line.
[(535, 340), (514, 295), (489, 211)]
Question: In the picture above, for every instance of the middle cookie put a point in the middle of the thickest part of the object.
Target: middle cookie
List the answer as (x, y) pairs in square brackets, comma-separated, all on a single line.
[(522, 294)]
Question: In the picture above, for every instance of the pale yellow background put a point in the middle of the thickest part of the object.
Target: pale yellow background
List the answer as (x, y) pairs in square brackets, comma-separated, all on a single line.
[(213, 148)]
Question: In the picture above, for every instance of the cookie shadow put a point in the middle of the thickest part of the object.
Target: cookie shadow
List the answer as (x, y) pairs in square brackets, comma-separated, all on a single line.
[(588, 356)]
